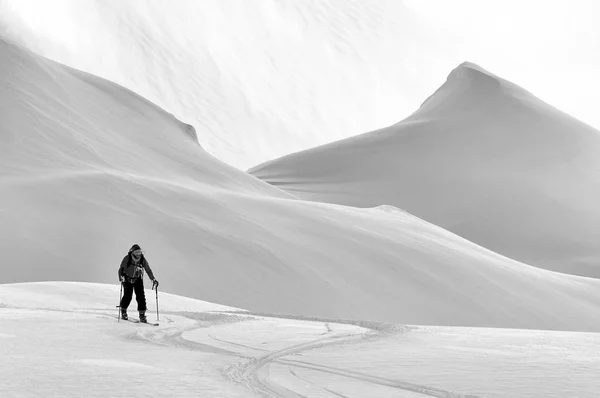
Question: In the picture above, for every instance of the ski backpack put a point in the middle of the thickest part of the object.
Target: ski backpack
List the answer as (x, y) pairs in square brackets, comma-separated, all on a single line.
[(138, 270)]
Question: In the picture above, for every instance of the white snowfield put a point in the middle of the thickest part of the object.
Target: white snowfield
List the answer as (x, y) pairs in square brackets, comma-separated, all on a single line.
[(482, 158), (62, 339), (88, 168)]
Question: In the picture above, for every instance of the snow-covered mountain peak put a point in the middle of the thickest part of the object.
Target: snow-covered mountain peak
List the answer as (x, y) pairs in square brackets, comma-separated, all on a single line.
[(470, 70), (482, 157), (470, 88)]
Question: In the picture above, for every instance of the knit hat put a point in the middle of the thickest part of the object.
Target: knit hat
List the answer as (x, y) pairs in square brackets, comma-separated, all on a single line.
[(134, 248)]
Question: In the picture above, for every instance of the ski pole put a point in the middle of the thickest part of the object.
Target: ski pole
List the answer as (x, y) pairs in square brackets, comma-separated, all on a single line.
[(156, 290), (119, 306)]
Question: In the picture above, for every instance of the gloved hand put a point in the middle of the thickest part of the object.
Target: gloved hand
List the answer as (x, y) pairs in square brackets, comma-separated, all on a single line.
[(154, 284), (122, 278)]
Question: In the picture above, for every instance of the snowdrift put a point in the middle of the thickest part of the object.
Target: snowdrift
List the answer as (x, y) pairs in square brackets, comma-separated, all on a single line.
[(87, 168), (482, 158)]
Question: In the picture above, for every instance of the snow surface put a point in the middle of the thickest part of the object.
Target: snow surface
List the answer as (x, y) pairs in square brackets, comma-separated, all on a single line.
[(88, 168), (63, 340), (482, 158)]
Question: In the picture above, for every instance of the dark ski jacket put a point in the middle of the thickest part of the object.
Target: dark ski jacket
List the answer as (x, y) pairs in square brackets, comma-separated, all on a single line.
[(132, 271)]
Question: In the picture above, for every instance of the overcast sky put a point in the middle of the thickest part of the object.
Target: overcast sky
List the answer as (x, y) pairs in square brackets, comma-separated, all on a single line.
[(550, 47)]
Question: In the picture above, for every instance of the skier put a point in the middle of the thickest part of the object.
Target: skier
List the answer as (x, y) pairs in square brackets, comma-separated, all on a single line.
[(131, 275)]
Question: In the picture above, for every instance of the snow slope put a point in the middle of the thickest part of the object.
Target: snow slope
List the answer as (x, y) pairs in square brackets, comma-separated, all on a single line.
[(62, 340), (482, 158), (88, 168), (257, 80)]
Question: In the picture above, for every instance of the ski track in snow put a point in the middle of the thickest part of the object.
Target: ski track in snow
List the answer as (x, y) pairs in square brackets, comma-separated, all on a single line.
[(229, 352), (254, 374), (256, 371)]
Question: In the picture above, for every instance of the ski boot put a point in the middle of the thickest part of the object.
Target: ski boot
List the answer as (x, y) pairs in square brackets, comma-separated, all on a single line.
[(124, 314), (143, 317)]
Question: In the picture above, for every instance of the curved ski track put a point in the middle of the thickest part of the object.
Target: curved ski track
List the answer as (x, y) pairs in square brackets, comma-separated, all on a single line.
[(253, 371)]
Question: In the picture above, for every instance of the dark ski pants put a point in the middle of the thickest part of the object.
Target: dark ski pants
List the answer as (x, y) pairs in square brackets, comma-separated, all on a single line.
[(140, 296)]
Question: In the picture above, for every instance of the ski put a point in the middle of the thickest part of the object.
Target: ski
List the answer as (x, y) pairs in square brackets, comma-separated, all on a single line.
[(138, 321), (146, 323)]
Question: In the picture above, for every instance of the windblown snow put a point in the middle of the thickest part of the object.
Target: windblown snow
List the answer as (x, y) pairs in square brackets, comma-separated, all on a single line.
[(257, 80), (482, 158)]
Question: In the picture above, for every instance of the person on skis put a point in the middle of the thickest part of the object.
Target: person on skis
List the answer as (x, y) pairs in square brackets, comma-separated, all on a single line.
[(131, 275)]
